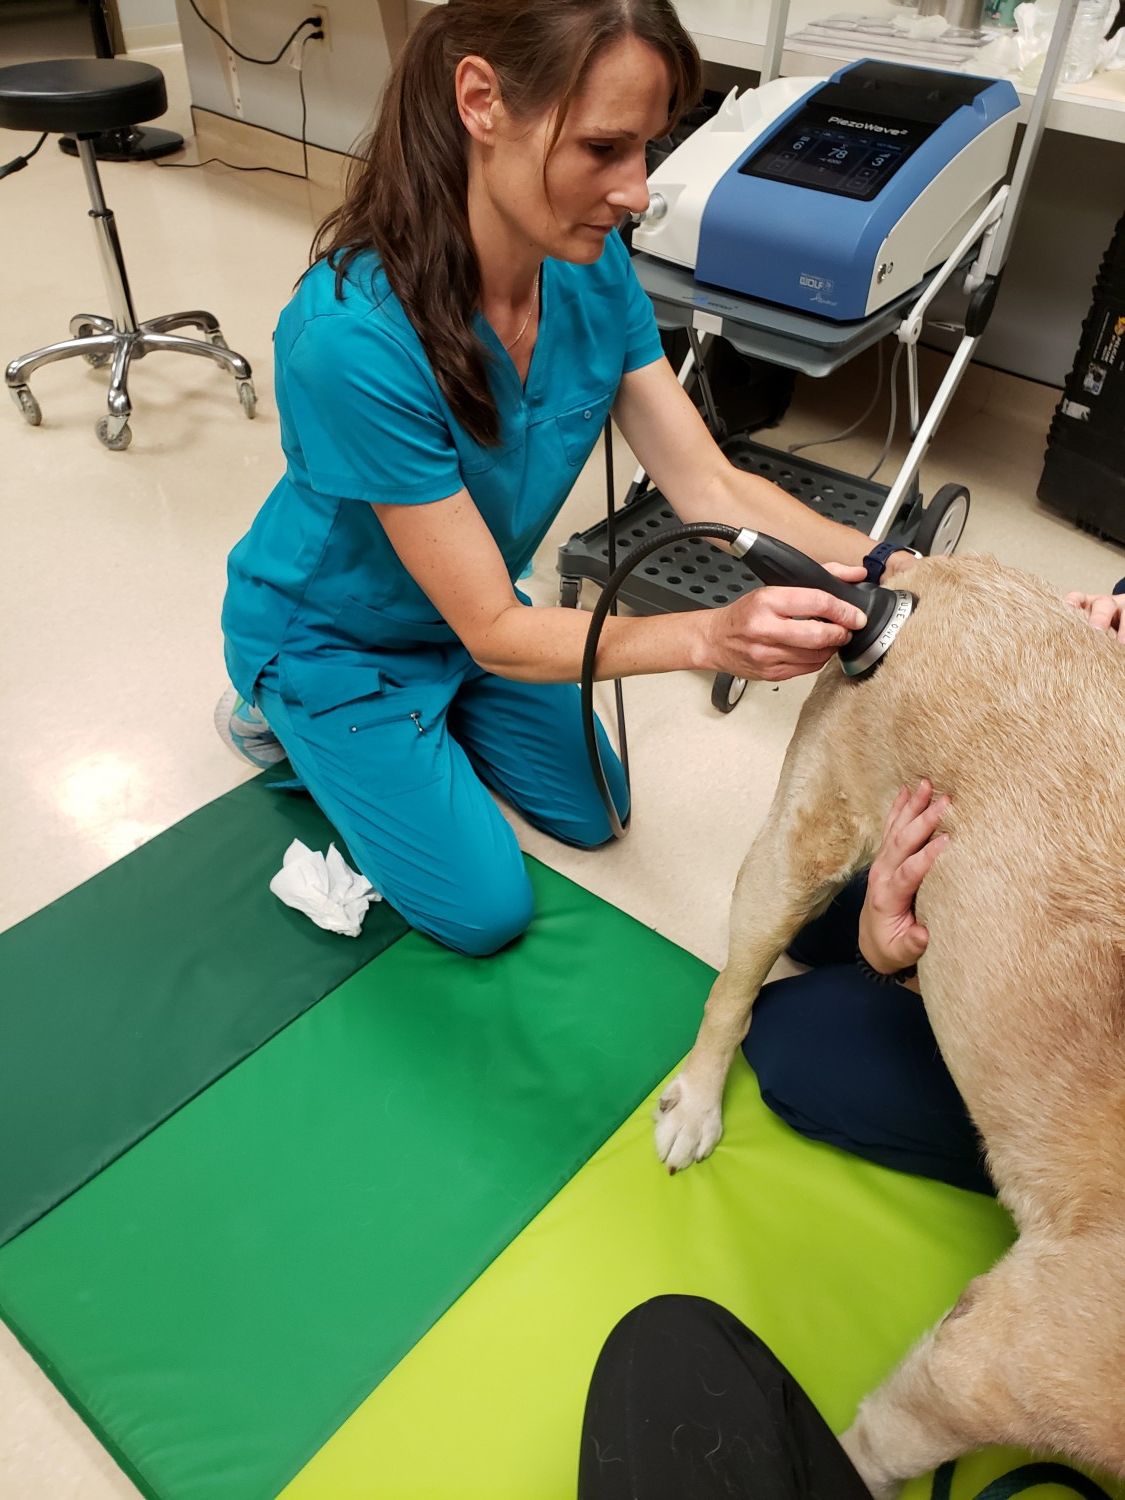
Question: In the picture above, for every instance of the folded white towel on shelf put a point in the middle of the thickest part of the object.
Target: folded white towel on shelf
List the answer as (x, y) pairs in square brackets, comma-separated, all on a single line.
[(325, 888)]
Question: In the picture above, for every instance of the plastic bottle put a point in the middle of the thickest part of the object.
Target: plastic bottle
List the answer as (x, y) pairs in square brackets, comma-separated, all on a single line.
[(1086, 35)]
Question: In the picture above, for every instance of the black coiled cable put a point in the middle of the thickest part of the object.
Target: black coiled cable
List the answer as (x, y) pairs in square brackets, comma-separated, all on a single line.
[(607, 604)]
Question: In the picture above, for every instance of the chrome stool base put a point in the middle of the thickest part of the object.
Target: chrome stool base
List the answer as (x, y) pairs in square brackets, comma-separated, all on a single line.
[(119, 340)]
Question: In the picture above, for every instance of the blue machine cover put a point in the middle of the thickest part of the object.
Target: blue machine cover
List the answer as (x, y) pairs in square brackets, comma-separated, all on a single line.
[(800, 217)]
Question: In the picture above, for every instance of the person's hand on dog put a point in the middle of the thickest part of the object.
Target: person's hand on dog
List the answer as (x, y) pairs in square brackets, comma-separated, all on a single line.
[(777, 633), (890, 935), (1104, 611)]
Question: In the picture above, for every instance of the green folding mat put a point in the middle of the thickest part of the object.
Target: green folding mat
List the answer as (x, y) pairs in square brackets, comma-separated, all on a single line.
[(838, 1264), (130, 994), (218, 1300)]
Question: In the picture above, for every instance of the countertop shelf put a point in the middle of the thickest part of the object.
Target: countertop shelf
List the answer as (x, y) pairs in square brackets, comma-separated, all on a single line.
[(734, 32)]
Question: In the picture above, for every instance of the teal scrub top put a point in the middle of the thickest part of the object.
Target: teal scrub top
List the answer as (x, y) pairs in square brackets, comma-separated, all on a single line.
[(363, 420)]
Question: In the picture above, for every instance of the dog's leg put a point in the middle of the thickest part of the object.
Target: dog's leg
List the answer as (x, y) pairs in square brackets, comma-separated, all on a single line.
[(811, 842), (1026, 1358)]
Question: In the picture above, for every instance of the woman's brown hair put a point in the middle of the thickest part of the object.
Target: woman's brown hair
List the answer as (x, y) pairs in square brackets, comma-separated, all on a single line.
[(407, 193)]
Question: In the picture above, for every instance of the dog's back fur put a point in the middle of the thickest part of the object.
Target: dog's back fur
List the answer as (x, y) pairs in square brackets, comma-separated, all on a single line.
[(1004, 698)]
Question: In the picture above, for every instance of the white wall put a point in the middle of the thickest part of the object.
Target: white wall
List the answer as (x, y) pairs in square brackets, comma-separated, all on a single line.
[(146, 12), (342, 84), (148, 23)]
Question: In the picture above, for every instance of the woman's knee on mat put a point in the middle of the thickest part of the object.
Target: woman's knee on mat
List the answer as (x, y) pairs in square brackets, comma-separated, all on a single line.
[(482, 920)]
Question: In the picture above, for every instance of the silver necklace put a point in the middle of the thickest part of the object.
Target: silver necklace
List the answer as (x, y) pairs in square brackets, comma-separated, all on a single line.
[(527, 320)]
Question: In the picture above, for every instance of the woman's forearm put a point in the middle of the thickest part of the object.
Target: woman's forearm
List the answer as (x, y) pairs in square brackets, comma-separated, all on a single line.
[(547, 645), (736, 498)]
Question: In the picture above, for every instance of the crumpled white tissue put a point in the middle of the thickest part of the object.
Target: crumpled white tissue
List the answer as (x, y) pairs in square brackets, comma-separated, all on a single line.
[(325, 888)]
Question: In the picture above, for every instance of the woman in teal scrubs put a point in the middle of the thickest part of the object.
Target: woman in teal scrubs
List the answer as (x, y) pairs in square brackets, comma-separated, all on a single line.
[(442, 374)]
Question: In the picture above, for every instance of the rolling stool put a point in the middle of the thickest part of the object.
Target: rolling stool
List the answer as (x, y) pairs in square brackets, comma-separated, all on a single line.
[(81, 97)]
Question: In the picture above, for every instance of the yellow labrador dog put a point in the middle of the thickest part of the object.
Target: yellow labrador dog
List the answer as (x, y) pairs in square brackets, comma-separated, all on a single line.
[(1002, 696)]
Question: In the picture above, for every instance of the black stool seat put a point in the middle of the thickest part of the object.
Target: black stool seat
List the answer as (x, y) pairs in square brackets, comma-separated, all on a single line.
[(80, 95)]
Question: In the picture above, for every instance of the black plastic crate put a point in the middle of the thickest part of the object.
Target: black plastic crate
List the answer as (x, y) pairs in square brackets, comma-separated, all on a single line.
[(1084, 479), (1084, 466), (1111, 272), (694, 575)]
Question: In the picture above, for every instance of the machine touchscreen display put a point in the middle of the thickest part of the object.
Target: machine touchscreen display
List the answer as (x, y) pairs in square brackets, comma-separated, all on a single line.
[(853, 154)]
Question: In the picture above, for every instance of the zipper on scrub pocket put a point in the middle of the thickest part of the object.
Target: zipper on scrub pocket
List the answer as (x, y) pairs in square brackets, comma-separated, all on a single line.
[(415, 717)]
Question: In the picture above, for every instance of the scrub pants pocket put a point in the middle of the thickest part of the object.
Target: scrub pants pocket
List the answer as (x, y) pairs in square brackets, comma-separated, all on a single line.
[(397, 732), (402, 770), (406, 801)]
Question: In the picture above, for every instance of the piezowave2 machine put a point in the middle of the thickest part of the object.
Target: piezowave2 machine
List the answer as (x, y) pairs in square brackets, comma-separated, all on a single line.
[(805, 223), (833, 197)]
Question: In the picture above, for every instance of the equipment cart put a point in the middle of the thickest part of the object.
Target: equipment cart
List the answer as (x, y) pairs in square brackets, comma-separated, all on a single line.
[(699, 576)]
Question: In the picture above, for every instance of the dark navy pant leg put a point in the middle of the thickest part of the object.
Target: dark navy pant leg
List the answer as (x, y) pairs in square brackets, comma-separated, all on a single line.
[(831, 937), (854, 1063)]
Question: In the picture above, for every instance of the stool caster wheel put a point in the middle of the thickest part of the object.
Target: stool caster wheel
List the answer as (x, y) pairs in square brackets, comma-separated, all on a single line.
[(116, 441), (570, 591), (27, 404), (247, 395), (727, 691), (95, 361)]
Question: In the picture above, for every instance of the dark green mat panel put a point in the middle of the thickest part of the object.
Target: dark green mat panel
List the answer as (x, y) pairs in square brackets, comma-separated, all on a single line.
[(220, 1299), (128, 995)]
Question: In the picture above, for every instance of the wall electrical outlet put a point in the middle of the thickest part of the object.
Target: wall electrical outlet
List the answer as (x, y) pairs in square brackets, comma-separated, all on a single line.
[(322, 14)]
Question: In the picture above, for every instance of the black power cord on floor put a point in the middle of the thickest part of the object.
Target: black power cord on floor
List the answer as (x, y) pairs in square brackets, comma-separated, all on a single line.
[(18, 163), (315, 34), (190, 166)]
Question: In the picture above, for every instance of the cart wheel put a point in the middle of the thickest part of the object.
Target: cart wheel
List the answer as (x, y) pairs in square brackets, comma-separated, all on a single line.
[(727, 691), (248, 397), (570, 591), (943, 521)]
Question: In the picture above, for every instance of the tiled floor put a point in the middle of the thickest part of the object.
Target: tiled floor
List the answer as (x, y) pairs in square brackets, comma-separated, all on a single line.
[(112, 576)]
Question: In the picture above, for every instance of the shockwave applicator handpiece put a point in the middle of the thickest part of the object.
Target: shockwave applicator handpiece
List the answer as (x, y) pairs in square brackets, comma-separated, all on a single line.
[(887, 610)]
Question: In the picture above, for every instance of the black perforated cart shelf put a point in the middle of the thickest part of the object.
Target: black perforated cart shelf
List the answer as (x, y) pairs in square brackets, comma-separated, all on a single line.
[(698, 575)]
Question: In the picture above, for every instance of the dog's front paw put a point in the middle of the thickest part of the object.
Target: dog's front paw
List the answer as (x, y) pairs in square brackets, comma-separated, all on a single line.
[(856, 1445), (689, 1123)]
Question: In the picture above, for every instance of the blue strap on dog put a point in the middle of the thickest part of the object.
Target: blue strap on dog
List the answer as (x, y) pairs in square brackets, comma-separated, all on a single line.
[(876, 560), (1027, 1477)]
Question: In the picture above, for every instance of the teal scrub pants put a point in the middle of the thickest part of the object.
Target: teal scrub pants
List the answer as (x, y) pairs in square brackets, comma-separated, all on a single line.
[(403, 775)]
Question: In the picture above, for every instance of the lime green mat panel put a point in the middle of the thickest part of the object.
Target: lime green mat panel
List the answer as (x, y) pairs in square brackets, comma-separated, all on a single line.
[(839, 1265), (224, 1295), (129, 995)]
